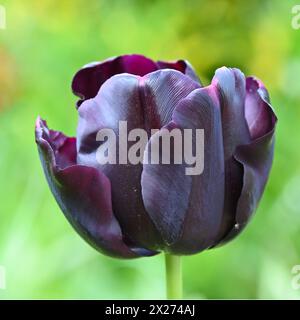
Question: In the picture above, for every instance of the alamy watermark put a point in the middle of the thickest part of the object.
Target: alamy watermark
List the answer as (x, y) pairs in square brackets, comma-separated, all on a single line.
[(2, 277), (2, 17), (296, 17), (176, 146), (296, 278)]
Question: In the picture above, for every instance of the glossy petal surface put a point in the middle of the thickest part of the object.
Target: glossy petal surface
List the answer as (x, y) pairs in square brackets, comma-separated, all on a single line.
[(143, 102), (230, 87), (256, 157), (184, 207), (83, 194)]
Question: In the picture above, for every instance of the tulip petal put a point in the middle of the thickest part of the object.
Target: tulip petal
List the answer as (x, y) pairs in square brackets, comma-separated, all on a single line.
[(83, 194), (260, 120), (230, 86), (118, 100), (65, 147), (187, 209), (88, 80), (255, 157), (143, 102), (165, 189)]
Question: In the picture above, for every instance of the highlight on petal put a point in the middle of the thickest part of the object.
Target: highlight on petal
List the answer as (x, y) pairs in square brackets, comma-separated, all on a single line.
[(231, 87), (165, 88), (83, 194)]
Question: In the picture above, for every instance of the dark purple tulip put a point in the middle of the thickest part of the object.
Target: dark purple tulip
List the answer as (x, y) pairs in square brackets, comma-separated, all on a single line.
[(131, 210)]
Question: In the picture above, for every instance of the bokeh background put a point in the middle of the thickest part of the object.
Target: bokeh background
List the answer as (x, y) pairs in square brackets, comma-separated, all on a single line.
[(44, 44)]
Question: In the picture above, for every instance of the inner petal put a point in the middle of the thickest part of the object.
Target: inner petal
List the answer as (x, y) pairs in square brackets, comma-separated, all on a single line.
[(258, 114)]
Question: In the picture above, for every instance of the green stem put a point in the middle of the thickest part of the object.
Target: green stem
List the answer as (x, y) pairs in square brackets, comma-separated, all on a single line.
[(173, 276)]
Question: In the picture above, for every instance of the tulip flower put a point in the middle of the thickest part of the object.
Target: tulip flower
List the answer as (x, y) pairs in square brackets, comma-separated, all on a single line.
[(136, 210)]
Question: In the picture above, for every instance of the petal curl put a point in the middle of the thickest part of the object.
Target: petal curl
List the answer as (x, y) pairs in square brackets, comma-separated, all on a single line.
[(259, 118), (83, 194)]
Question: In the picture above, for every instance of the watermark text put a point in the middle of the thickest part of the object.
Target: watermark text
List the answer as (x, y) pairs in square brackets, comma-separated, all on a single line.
[(2, 17), (174, 146), (2, 278), (296, 17)]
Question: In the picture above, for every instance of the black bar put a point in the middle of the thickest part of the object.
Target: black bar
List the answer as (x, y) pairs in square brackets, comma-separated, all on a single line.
[(147, 309)]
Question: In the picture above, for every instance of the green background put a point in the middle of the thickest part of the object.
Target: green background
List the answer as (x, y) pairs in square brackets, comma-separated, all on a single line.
[(44, 44)]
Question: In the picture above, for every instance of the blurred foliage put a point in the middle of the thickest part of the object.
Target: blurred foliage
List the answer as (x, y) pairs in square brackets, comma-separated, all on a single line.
[(43, 46)]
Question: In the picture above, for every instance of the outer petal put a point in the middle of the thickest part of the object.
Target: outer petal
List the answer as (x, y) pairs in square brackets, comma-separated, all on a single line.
[(88, 80), (255, 157), (83, 194), (187, 210), (230, 86), (145, 103), (165, 189)]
